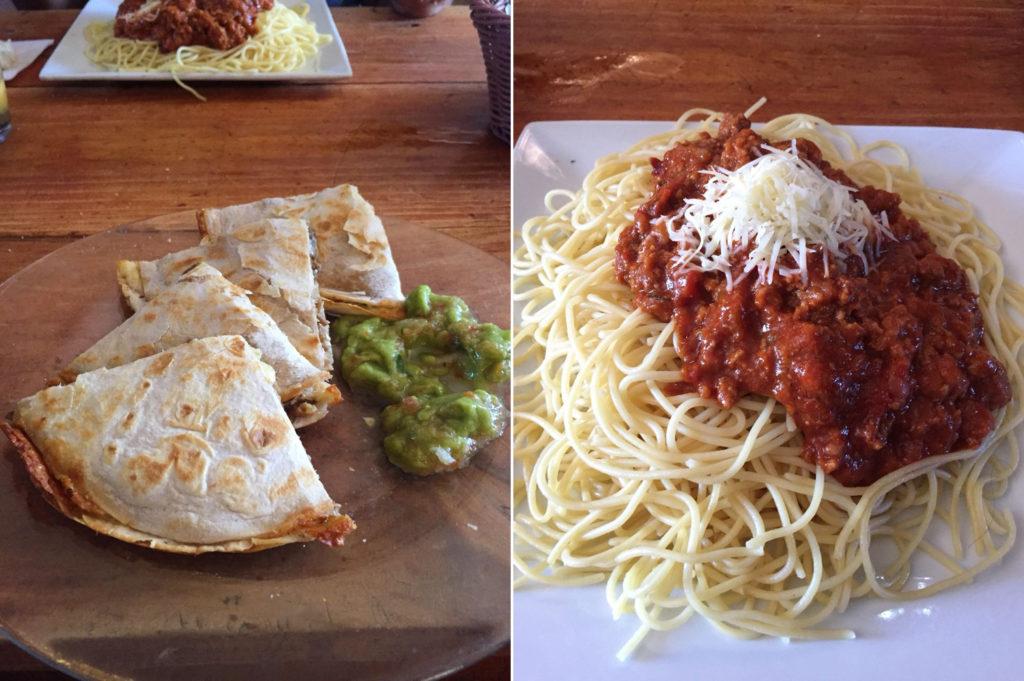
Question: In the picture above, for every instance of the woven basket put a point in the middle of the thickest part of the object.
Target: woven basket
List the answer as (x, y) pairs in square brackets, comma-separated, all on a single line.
[(494, 27)]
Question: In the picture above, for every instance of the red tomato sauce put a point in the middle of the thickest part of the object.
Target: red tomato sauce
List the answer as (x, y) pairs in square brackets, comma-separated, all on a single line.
[(878, 369), (220, 24)]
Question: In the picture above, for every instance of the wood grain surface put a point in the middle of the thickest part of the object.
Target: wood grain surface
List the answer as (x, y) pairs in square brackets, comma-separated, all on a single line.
[(410, 128), (892, 63)]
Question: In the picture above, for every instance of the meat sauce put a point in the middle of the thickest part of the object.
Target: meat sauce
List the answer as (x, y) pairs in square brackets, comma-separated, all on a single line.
[(878, 369), (219, 24)]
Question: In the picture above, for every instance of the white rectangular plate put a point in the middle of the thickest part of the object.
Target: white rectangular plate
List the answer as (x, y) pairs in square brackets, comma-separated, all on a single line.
[(972, 631), (68, 61)]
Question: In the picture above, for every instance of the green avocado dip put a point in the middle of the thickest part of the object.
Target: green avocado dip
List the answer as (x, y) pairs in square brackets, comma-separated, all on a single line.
[(434, 368), (426, 435)]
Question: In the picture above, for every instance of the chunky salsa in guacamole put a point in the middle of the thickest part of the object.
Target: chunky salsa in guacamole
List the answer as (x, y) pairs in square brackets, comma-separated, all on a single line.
[(434, 369)]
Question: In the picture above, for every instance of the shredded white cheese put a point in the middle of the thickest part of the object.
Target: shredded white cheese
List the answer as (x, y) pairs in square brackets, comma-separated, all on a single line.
[(781, 208), (147, 10)]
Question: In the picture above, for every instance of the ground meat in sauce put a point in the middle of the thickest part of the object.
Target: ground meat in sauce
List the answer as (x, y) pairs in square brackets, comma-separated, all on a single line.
[(220, 24), (878, 370)]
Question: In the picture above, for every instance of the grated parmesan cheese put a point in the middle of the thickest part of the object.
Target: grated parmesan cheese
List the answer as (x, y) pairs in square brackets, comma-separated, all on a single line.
[(779, 206)]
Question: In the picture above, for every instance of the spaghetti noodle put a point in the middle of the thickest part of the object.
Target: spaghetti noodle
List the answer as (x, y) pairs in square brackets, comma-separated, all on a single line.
[(682, 507)]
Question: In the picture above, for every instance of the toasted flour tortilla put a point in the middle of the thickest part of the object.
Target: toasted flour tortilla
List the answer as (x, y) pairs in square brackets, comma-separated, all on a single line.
[(271, 259), (186, 451), (202, 303), (357, 272)]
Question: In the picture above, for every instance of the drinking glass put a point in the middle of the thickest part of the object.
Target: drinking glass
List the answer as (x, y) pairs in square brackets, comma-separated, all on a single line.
[(5, 113)]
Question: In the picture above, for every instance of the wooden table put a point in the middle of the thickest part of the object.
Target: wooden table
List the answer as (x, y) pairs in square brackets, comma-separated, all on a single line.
[(902, 63), (410, 129)]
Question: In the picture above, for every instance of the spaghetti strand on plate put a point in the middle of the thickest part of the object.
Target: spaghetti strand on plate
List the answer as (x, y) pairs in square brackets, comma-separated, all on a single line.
[(686, 502)]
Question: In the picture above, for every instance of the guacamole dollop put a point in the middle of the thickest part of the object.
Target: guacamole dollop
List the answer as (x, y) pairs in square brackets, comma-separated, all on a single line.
[(426, 435), (438, 343), (434, 368)]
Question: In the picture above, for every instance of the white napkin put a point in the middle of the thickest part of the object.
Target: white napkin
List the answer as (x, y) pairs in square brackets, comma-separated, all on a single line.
[(25, 52)]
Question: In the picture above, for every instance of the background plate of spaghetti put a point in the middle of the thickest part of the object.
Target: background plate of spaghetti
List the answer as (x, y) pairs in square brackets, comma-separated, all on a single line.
[(283, 53), (677, 519)]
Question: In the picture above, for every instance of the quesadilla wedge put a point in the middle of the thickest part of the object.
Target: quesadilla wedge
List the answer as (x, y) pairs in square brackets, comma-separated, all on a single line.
[(357, 272), (202, 303), (187, 451), (272, 259)]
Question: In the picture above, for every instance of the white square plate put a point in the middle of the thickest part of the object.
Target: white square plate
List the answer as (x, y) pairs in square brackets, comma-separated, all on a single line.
[(969, 632), (68, 61)]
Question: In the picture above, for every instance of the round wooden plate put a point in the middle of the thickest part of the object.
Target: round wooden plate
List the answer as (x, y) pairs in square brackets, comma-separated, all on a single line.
[(419, 590)]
